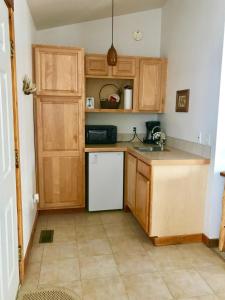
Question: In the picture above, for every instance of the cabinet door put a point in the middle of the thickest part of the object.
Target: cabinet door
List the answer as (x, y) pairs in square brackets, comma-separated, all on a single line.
[(60, 152), (131, 168), (96, 65), (152, 84), (59, 71), (142, 201), (125, 67)]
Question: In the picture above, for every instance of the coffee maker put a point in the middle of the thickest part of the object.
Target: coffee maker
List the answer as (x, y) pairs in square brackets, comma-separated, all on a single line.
[(152, 127)]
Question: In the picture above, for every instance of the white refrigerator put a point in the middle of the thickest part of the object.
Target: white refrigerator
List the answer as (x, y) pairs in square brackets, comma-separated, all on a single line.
[(105, 181)]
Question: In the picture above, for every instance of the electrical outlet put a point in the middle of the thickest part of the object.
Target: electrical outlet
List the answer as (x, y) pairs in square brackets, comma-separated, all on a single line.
[(199, 138), (36, 198), (134, 129)]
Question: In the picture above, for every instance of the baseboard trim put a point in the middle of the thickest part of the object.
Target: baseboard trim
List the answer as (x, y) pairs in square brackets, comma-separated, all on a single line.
[(28, 251), (60, 211), (210, 243), (177, 239)]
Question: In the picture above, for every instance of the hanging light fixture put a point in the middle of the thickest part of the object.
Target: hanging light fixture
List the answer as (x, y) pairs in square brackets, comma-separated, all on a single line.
[(112, 54)]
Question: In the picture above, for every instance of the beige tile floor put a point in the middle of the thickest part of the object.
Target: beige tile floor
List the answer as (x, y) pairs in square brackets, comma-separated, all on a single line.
[(106, 256)]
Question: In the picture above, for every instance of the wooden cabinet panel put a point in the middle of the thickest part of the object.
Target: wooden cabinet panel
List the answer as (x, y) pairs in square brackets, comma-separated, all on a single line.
[(142, 201), (152, 84), (58, 71), (131, 168), (60, 152), (126, 67), (60, 126), (62, 187), (96, 65), (59, 109), (143, 169)]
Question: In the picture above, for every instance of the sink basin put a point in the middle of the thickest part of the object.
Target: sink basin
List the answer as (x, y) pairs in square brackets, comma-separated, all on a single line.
[(150, 149)]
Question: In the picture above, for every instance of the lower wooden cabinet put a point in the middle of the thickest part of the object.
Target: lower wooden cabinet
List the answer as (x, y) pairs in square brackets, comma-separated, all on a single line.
[(167, 199), (142, 200), (131, 169), (138, 189), (60, 155)]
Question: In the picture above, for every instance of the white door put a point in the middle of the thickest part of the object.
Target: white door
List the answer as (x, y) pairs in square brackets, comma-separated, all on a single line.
[(9, 269), (105, 181)]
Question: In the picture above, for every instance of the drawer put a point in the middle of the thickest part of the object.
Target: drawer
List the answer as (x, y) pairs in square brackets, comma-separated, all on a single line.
[(144, 169)]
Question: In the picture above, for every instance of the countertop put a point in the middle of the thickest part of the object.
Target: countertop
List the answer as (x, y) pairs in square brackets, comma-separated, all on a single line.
[(170, 157)]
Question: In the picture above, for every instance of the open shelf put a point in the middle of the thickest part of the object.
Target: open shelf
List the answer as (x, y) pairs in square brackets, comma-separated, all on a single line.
[(94, 85), (99, 110)]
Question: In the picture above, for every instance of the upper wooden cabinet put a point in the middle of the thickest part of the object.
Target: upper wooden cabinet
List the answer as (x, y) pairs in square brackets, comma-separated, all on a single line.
[(96, 65), (152, 84), (125, 67), (58, 71), (147, 77)]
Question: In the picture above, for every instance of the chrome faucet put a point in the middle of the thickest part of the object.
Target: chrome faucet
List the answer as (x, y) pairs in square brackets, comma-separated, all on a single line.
[(160, 139)]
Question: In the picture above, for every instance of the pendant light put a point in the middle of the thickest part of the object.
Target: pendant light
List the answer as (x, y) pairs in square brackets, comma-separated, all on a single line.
[(112, 54)]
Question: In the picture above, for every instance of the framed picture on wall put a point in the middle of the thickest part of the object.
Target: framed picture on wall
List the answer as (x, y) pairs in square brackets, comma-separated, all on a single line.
[(182, 101)]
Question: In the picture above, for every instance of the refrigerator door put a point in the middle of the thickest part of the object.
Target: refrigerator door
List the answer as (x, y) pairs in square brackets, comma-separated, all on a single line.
[(105, 189)]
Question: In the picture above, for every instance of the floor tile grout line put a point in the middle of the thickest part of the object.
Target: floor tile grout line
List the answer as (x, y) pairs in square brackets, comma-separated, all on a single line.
[(213, 292)]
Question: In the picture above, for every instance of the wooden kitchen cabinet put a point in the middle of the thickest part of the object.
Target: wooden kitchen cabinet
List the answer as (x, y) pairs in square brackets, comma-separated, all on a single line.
[(169, 198), (59, 130), (131, 169), (138, 189), (147, 76), (125, 67), (152, 84), (142, 200), (58, 71), (96, 65), (60, 152)]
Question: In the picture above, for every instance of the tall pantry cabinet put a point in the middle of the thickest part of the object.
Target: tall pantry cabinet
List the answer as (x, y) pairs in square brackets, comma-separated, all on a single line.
[(59, 115)]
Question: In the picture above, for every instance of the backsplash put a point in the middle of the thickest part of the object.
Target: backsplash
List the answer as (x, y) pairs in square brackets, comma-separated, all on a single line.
[(195, 148), (125, 137), (198, 149)]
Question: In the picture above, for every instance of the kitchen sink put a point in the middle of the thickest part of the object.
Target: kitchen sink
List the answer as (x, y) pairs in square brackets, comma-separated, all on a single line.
[(151, 149)]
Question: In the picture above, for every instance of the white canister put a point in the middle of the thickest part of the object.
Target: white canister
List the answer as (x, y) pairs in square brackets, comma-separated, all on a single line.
[(128, 92)]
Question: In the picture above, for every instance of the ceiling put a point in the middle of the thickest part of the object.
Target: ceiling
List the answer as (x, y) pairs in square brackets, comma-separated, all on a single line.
[(51, 13)]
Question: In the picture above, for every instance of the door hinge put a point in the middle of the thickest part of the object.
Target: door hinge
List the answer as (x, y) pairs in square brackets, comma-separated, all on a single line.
[(20, 253), (17, 159), (12, 48)]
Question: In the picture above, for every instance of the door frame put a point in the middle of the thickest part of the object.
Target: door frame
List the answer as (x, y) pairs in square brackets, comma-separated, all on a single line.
[(10, 5)]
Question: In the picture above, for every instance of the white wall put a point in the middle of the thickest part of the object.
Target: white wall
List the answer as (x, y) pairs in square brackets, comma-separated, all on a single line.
[(220, 147), (124, 122), (25, 34), (95, 37), (192, 39)]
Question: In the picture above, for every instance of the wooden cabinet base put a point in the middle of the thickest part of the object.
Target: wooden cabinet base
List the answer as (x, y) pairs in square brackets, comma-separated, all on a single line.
[(178, 239)]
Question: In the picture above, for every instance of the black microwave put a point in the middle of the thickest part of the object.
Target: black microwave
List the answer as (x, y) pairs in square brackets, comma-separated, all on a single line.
[(100, 134)]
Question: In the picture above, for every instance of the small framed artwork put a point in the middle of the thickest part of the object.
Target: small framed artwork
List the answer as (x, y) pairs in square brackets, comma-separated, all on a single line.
[(182, 102), (90, 102)]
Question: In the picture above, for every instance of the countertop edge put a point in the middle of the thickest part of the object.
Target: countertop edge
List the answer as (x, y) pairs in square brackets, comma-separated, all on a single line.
[(153, 162)]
